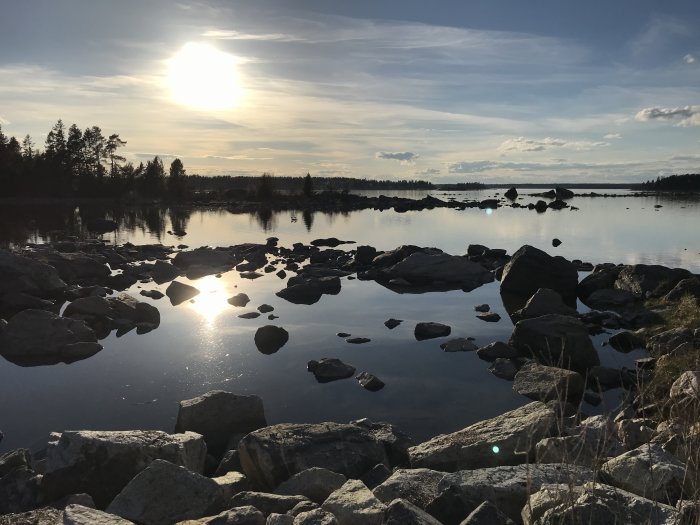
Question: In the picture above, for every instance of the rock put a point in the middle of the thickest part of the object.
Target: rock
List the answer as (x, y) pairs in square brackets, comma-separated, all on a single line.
[(273, 454), (487, 514), (217, 415), (179, 292), (330, 369), (556, 340), (605, 378), (249, 315), (20, 490), (477, 250), (163, 272), (239, 299), (166, 493), (496, 350), (626, 342), (101, 463), (634, 432), (649, 280), (354, 504), (483, 308), (396, 443), (378, 475), (422, 268), (216, 259), (392, 323), (669, 341), (315, 517), (547, 383), (266, 503), (315, 483), (358, 340), (364, 255), (543, 302), (511, 194), (530, 269), (78, 268), (269, 339), (14, 459), (370, 382), (540, 206), (79, 515), (265, 308), (430, 330), (280, 519), (690, 286), (231, 484), (556, 242), (304, 293), (648, 471), (686, 388), (460, 344), (493, 442), (42, 516), (489, 317), (504, 368), (343, 334), (402, 512), (153, 294), (303, 506), (610, 298), (331, 242), (418, 486), (38, 337), (593, 503), (247, 515)]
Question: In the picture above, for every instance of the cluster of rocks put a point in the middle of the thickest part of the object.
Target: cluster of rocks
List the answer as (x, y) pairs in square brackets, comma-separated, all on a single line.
[(539, 464)]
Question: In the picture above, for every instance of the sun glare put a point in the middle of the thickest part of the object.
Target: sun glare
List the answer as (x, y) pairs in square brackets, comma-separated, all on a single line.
[(202, 77), (212, 299)]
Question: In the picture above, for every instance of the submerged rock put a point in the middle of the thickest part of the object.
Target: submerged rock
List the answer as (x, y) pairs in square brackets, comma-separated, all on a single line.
[(422, 268), (460, 344)]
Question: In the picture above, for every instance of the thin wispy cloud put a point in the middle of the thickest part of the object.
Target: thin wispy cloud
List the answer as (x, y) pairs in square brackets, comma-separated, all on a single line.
[(522, 144), (404, 157), (612, 136), (684, 116), (689, 59)]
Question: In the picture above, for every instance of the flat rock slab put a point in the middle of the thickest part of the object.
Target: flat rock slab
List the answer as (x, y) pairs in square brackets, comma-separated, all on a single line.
[(273, 454), (354, 503), (431, 330), (392, 323), (315, 483), (179, 292), (489, 317), (358, 340), (79, 515), (249, 315), (330, 369), (166, 493), (546, 383), (493, 442), (267, 503), (460, 344)]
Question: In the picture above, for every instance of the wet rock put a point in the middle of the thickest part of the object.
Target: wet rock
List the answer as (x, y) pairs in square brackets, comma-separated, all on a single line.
[(370, 382), (267, 503), (269, 338), (239, 299), (273, 454), (540, 206), (530, 269), (489, 317), (305, 293), (543, 302), (392, 323), (354, 503), (556, 340), (364, 255), (330, 369), (431, 330), (547, 383), (38, 337), (179, 292), (343, 334), (511, 433), (460, 344), (217, 415), (265, 308), (330, 242), (315, 483), (101, 463), (152, 294), (250, 275), (483, 308), (213, 258), (358, 340), (422, 268), (504, 368), (80, 515), (649, 280), (166, 493), (496, 350), (563, 193)]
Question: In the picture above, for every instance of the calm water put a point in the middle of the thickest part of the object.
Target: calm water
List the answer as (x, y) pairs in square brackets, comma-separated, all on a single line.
[(137, 380)]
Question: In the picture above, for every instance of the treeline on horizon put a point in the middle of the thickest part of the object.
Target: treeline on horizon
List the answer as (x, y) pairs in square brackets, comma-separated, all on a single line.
[(687, 182)]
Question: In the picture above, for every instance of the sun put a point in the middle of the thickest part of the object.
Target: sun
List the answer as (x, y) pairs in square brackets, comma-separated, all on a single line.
[(203, 77)]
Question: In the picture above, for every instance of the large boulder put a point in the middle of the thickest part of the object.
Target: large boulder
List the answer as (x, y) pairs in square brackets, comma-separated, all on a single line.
[(556, 340), (645, 280), (308, 292), (162, 272), (530, 269), (402, 512), (685, 287), (78, 268), (315, 483), (38, 337), (217, 415), (543, 302), (220, 258), (603, 277), (507, 439), (431, 330), (166, 493), (330, 369), (20, 490), (649, 471), (511, 194), (354, 504), (24, 275), (273, 454), (122, 312), (179, 292), (269, 338), (422, 268), (547, 383), (101, 463)]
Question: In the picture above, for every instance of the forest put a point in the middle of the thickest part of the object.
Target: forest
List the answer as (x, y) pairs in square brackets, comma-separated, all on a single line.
[(687, 182)]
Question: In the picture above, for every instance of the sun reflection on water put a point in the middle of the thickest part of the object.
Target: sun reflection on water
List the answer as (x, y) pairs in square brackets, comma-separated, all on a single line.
[(212, 300)]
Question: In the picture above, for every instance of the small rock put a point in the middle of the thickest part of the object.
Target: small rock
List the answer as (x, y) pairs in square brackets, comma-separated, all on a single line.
[(504, 368), (547, 383), (240, 299), (430, 330), (483, 308), (330, 369), (269, 339), (556, 242), (343, 334), (250, 315), (460, 344), (153, 294), (358, 340), (490, 317), (392, 323), (265, 308), (179, 292), (370, 382), (315, 517), (496, 350)]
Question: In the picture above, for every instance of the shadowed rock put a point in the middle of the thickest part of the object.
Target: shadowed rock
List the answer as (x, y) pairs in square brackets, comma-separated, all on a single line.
[(269, 338), (179, 292)]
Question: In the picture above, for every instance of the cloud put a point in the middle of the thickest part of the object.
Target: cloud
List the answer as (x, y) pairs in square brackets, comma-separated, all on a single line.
[(522, 144), (612, 136), (225, 34), (428, 172), (686, 116), (404, 157), (142, 155), (689, 59), (236, 157)]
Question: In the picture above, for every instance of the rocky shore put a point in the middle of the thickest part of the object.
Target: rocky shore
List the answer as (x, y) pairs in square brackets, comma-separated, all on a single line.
[(546, 462)]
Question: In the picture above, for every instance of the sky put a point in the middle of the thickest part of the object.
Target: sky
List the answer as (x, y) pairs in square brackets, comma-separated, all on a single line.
[(447, 91)]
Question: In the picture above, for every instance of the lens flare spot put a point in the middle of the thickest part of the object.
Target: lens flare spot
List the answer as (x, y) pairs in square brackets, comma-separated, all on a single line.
[(495, 449)]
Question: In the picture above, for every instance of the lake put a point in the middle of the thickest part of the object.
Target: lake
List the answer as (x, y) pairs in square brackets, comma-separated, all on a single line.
[(137, 380)]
